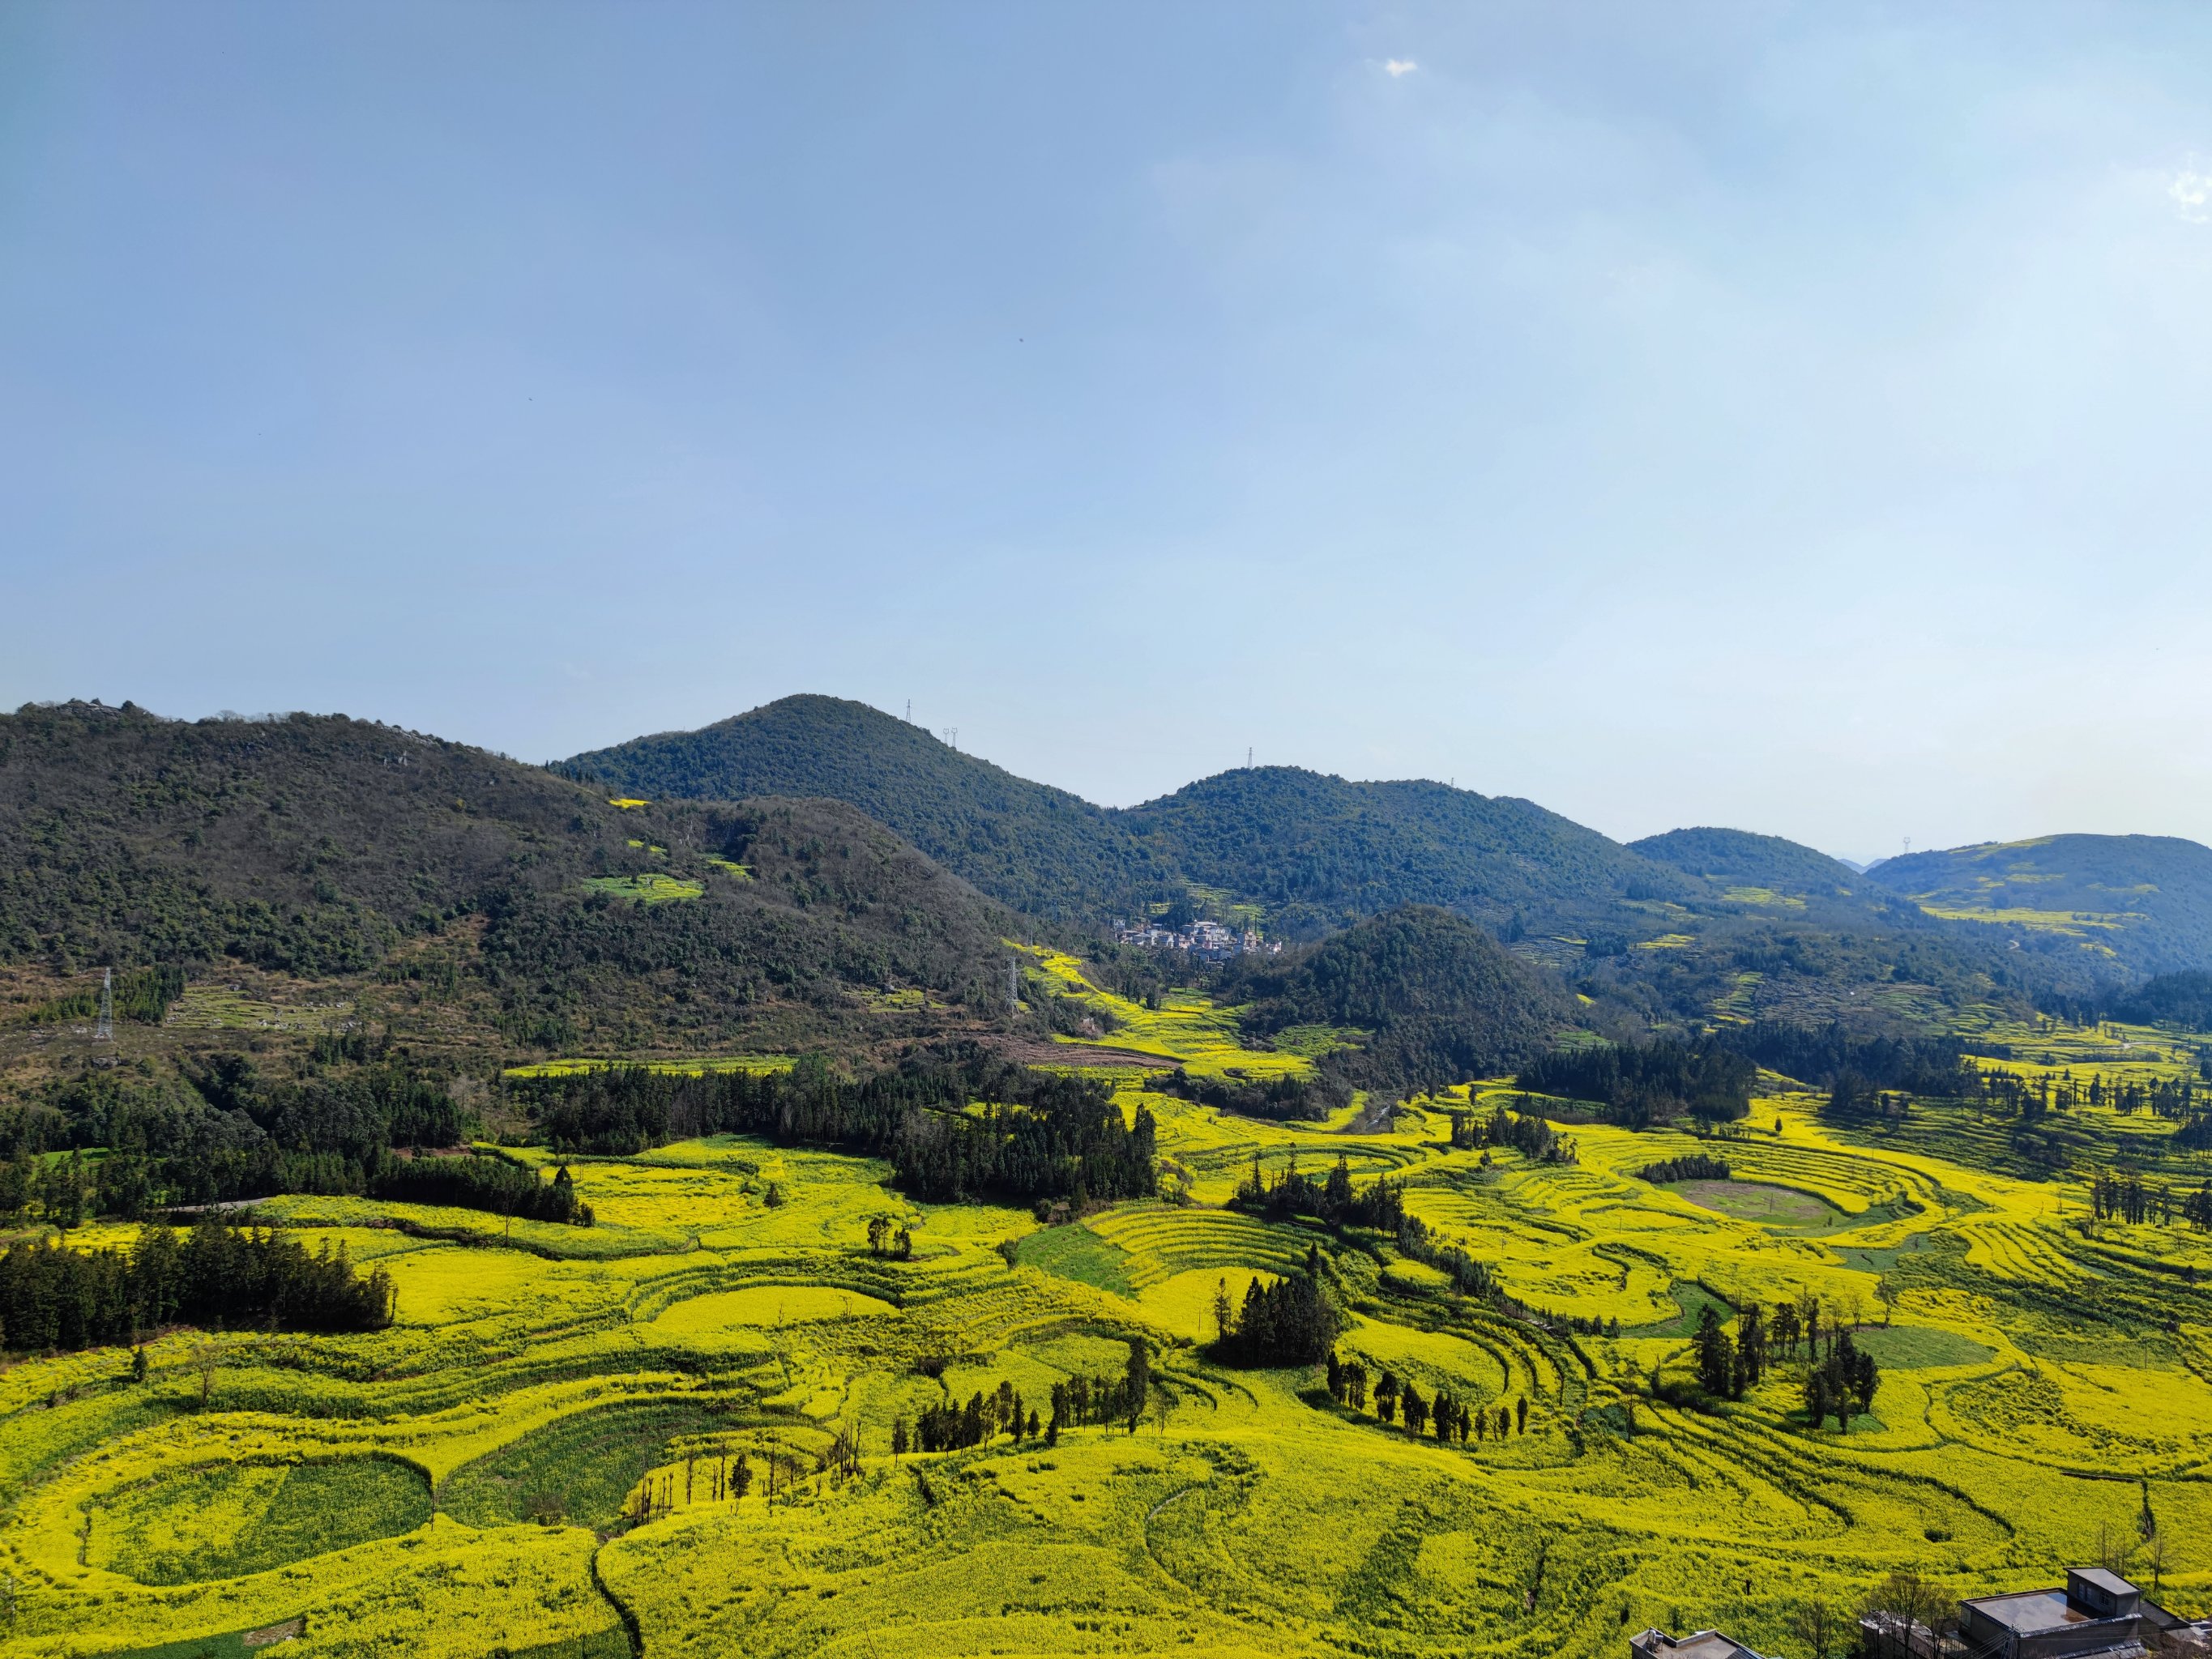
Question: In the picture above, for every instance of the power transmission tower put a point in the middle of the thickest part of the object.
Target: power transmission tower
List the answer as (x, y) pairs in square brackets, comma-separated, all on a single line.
[(952, 737), (1013, 986), (909, 711), (1248, 757), (103, 1030)]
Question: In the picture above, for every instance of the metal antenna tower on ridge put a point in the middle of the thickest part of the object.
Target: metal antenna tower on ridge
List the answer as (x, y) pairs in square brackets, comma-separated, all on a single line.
[(103, 1030)]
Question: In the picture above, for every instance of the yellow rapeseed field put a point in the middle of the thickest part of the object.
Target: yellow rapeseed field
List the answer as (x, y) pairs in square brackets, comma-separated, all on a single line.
[(539, 1457)]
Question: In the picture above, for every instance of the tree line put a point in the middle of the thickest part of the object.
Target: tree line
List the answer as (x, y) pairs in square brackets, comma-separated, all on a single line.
[(1076, 1403), (216, 1274), (1650, 1082), (1036, 1135), (1396, 1398), (2127, 1198), (1284, 1099), (1690, 1166)]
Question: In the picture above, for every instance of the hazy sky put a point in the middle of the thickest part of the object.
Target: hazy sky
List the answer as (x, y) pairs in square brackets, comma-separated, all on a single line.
[(1793, 417)]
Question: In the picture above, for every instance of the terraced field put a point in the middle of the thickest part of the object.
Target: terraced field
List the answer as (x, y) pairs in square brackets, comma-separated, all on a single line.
[(537, 1458)]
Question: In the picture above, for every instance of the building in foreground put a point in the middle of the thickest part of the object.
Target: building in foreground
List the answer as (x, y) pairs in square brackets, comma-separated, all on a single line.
[(2096, 1614), (1702, 1644)]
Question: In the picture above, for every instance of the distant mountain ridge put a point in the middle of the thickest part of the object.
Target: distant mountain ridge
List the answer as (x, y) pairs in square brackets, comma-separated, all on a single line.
[(1317, 851), (2146, 899), (1687, 925), (1739, 858)]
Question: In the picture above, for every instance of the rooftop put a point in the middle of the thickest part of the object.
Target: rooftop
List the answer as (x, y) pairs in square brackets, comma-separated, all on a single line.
[(1703, 1644), (2030, 1611), (2111, 1582)]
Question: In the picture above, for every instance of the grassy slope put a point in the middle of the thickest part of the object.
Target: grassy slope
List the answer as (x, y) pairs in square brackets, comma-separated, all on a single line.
[(2025, 1347), (2146, 900)]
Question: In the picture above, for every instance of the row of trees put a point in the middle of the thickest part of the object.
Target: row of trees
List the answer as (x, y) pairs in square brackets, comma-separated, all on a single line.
[(1291, 1099), (216, 1274), (1840, 1382), (948, 1427), (2126, 1197), (482, 1181), (1037, 1136), (1077, 1401), (1690, 1166), (64, 1191), (1527, 1133), (1332, 1200), (1650, 1082), (1396, 1398)]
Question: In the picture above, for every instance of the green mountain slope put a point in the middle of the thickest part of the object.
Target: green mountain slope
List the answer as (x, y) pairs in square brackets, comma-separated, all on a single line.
[(1738, 858), (324, 847), (1320, 852), (1038, 848), (1440, 999), (2142, 900), (1316, 852)]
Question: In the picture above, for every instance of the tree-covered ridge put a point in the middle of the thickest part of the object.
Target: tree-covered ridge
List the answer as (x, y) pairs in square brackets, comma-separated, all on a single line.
[(1315, 853), (2156, 890), (1743, 857), (1320, 851), (1028, 845), (1440, 999), (322, 846)]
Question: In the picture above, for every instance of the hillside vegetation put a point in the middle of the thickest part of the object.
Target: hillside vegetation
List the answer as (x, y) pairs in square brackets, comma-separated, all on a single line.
[(1437, 999), (324, 849), (1679, 928), (1035, 847), (1738, 858), (2144, 901)]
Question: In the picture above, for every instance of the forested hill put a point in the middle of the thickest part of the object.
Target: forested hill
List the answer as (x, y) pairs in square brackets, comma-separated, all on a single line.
[(1315, 851), (2146, 898), (321, 846), (1319, 851), (1738, 858), (1438, 1000), (1038, 848)]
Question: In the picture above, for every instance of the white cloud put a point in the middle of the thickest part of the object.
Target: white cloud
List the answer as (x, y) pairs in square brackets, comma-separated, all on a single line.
[(1395, 67), (2192, 195)]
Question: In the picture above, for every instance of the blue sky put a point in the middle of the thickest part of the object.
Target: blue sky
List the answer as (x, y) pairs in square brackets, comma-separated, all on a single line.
[(1793, 417)]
